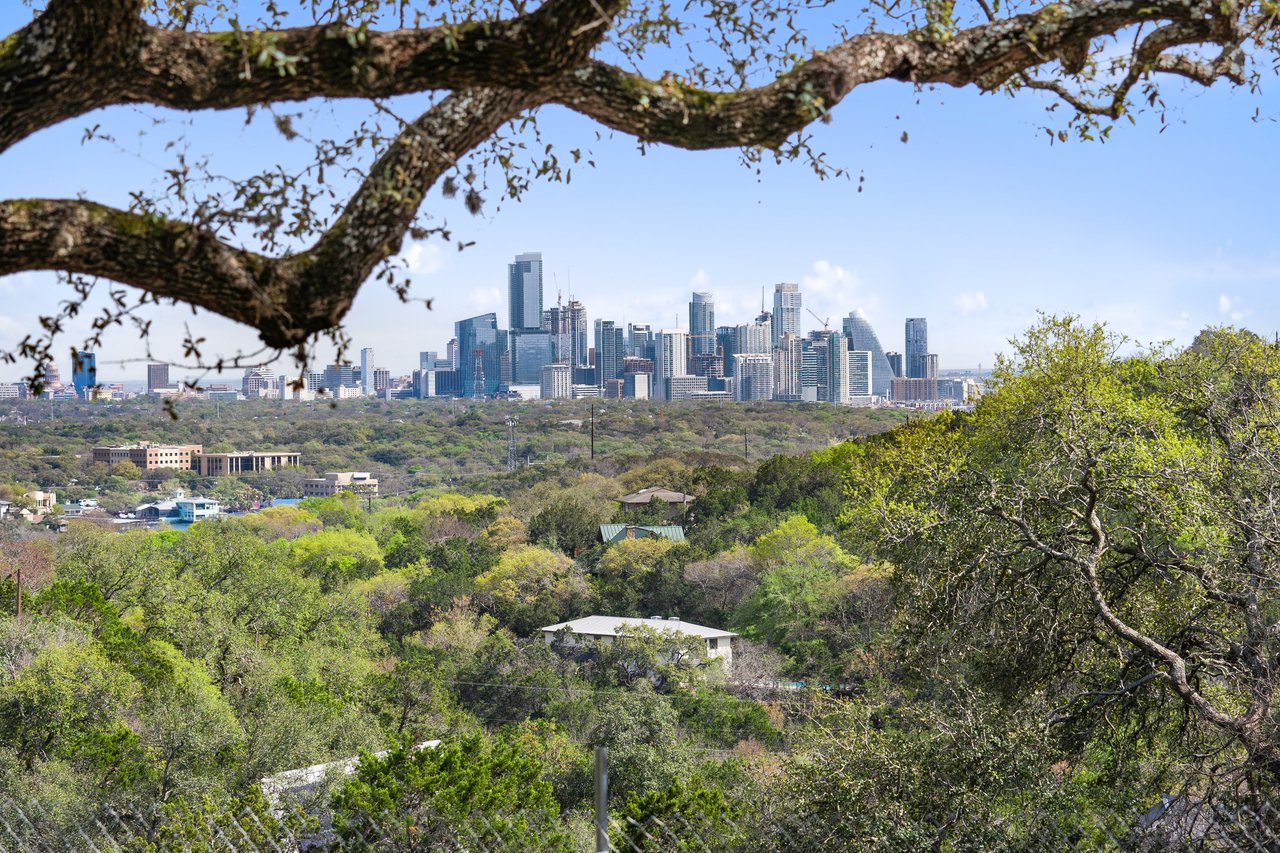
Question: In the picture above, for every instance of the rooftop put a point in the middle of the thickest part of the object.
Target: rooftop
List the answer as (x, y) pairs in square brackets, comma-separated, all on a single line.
[(617, 532), (644, 496), (610, 626)]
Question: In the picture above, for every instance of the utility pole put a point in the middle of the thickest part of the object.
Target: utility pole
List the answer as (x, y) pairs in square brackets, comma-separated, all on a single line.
[(512, 420), (593, 430), (602, 799), (744, 447)]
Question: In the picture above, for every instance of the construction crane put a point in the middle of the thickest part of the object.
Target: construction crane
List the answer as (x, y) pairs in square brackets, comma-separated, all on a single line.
[(826, 324)]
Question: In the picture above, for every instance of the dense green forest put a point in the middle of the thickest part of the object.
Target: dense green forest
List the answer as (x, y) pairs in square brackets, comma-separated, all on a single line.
[(408, 444), (1011, 629)]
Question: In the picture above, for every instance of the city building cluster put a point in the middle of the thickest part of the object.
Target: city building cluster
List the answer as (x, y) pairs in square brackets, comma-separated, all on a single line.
[(553, 352)]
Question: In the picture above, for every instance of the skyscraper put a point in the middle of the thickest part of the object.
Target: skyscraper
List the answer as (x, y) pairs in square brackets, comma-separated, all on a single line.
[(754, 337), (862, 375), (917, 346), (857, 329), (480, 348), (724, 345), (702, 323), (530, 352), (366, 370), (752, 377), (786, 311), (640, 340), (611, 349), (670, 349), (84, 373), (157, 377), (524, 288), (568, 327), (837, 369), (895, 363), (786, 369)]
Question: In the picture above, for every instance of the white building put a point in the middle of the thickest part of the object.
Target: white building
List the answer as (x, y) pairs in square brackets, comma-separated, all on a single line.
[(557, 381), (605, 629), (670, 358), (333, 482)]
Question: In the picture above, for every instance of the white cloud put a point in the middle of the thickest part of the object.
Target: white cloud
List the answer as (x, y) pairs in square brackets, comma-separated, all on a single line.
[(971, 302), (424, 258), (1230, 307), (700, 279), (832, 291), (485, 299)]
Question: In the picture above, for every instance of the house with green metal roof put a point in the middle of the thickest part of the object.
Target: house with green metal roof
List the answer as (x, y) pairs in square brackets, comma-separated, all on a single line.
[(610, 533)]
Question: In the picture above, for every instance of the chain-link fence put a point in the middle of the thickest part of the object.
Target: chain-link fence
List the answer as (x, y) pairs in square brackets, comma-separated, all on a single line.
[(1174, 823)]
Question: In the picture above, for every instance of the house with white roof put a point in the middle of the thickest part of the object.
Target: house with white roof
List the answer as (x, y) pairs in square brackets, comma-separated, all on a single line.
[(592, 629)]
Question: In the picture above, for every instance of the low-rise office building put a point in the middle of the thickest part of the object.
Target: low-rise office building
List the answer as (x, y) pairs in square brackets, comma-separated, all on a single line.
[(149, 456), (327, 485)]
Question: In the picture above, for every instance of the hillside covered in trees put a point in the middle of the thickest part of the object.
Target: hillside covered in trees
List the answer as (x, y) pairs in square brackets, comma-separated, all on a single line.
[(1011, 629)]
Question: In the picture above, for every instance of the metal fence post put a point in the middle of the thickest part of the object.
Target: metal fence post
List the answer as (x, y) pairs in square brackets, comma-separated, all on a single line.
[(602, 799)]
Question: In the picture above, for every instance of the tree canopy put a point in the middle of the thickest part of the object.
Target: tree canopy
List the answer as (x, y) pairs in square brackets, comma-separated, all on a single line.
[(285, 251)]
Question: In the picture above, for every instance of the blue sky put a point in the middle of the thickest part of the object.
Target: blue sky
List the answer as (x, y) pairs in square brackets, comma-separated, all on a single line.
[(976, 223)]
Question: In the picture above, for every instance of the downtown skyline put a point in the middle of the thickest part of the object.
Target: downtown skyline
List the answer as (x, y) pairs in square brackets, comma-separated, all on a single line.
[(976, 222)]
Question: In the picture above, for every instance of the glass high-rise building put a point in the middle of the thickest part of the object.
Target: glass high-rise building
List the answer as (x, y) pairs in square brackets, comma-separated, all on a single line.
[(863, 338), (611, 349), (702, 324), (917, 347), (366, 370), (84, 373), (786, 311), (895, 362), (481, 345), (640, 340), (530, 352), (524, 291)]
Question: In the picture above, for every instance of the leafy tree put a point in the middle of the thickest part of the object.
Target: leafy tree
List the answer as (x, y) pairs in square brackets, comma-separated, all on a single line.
[(531, 587), (337, 557), (475, 790), (566, 525), (70, 700), (645, 750), (1101, 529), (629, 570), (680, 817)]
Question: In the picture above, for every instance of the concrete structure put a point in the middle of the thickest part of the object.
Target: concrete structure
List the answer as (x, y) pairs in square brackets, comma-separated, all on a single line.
[(333, 482), (557, 382), (786, 369), (786, 311), (524, 291), (157, 378), (590, 630), (148, 456), (670, 358), (914, 390), (246, 462), (684, 387)]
